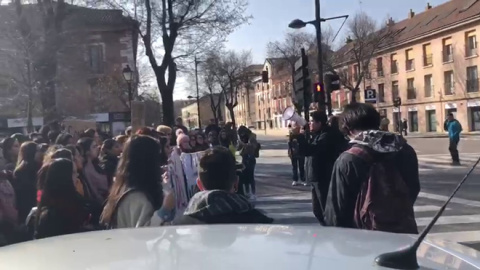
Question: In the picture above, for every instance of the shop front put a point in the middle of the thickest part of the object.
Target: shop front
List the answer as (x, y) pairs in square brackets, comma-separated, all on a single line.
[(474, 114), (19, 125), (119, 122)]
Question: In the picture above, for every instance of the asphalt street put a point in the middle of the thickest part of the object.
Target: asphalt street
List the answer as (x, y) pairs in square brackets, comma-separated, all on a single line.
[(459, 223)]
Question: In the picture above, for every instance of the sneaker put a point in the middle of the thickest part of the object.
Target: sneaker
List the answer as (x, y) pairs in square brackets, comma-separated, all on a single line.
[(294, 183), (304, 183)]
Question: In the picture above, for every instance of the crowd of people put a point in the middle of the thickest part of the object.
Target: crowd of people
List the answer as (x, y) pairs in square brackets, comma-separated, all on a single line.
[(55, 184)]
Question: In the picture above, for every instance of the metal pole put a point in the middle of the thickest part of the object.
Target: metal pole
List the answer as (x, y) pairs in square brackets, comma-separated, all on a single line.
[(198, 94), (130, 95), (318, 28)]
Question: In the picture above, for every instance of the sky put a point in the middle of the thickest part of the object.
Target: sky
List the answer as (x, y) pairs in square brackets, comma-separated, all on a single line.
[(271, 18)]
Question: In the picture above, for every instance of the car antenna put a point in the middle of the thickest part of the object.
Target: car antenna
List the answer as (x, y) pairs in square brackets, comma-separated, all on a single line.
[(406, 258)]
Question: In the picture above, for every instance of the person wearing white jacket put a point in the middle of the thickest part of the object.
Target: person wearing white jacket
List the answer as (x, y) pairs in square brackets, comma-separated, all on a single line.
[(137, 198)]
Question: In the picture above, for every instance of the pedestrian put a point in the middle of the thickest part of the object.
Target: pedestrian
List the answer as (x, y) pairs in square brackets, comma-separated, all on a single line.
[(108, 159), (375, 183), (64, 139), (248, 150), (323, 148), (94, 174), (226, 141), (217, 202), (61, 208), (405, 126), (296, 153), (179, 125), (454, 129), (136, 198), (10, 150), (384, 123), (25, 180), (201, 144)]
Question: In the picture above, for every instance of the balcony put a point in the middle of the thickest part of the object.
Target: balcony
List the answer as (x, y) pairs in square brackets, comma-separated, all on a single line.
[(428, 60), (410, 65), (447, 56), (472, 85), (428, 90), (471, 50), (380, 72), (448, 88), (411, 93), (394, 68)]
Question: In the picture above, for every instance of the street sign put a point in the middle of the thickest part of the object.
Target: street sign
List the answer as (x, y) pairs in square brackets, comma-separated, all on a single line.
[(370, 95)]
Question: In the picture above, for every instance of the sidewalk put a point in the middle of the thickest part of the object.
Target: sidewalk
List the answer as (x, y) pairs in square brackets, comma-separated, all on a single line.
[(284, 132)]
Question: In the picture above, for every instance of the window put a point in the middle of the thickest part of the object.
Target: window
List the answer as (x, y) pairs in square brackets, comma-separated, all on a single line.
[(447, 50), (431, 121), (394, 90), (449, 82), (428, 85), (475, 118), (379, 67), (411, 93), (427, 55), (393, 63), (470, 44), (95, 58), (413, 121), (410, 62), (472, 79), (381, 92)]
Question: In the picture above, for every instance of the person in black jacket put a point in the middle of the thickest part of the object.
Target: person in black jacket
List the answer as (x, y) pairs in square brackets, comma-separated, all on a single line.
[(361, 122), (296, 153), (323, 149), (217, 202), (110, 152)]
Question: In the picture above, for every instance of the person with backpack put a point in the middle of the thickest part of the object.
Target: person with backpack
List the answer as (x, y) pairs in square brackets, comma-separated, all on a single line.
[(249, 149), (376, 182), (296, 153)]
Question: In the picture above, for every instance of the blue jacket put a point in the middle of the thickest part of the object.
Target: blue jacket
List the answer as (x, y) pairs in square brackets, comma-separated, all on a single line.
[(454, 128)]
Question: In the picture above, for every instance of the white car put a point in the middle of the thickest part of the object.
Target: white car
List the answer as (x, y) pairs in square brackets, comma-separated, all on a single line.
[(229, 247)]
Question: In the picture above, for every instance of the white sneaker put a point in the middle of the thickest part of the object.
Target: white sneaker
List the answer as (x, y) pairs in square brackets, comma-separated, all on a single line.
[(294, 183)]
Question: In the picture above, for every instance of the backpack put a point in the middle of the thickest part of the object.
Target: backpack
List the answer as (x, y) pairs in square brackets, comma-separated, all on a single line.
[(383, 203)]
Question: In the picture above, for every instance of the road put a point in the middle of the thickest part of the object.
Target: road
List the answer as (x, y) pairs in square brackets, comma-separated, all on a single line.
[(459, 223)]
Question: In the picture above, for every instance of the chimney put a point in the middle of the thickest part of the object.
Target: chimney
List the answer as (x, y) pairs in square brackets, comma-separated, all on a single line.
[(390, 22), (411, 14), (428, 6)]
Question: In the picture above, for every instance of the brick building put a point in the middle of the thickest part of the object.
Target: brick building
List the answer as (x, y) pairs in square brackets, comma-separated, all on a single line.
[(432, 64), (95, 47), (273, 97)]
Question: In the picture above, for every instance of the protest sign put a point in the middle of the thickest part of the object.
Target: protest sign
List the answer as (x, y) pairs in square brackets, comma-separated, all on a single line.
[(76, 127)]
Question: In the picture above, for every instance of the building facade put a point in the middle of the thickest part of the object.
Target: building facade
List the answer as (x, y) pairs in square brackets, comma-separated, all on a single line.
[(273, 97), (96, 45), (432, 66), (190, 112)]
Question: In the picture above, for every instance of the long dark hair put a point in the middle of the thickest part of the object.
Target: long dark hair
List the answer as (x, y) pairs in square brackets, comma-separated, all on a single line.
[(85, 143), (60, 153), (63, 139), (26, 156), (59, 190), (139, 169), (107, 145), (7, 145)]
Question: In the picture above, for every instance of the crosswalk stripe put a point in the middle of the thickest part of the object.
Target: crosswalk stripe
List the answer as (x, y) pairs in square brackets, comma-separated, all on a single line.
[(449, 220)]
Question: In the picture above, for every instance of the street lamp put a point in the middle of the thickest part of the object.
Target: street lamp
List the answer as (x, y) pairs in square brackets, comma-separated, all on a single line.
[(297, 24), (198, 108), (128, 76)]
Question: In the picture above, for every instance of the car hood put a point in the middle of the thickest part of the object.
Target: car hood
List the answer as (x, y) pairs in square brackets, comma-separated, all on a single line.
[(228, 247)]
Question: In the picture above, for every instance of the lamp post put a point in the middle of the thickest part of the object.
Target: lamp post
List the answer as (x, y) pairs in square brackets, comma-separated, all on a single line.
[(297, 24), (198, 107), (128, 76)]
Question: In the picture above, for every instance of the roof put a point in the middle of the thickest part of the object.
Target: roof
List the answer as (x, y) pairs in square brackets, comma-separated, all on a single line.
[(430, 21), (76, 16)]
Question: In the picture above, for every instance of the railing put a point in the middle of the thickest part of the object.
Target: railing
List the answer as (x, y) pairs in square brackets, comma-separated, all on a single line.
[(410, 65), (411, 93), (472, 85), (394, 68), (448, 88), (427, 60), (447, 56), (380, 72), (428, 90), (471, 50)]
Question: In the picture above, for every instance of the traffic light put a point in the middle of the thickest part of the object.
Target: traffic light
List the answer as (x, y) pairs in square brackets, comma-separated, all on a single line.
[(332, 82), (397, 102), (318, 92)]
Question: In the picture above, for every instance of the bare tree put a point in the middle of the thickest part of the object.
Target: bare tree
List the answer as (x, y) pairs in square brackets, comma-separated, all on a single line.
[(208, 79), (289, 51), (364, 40), (230, 69)]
